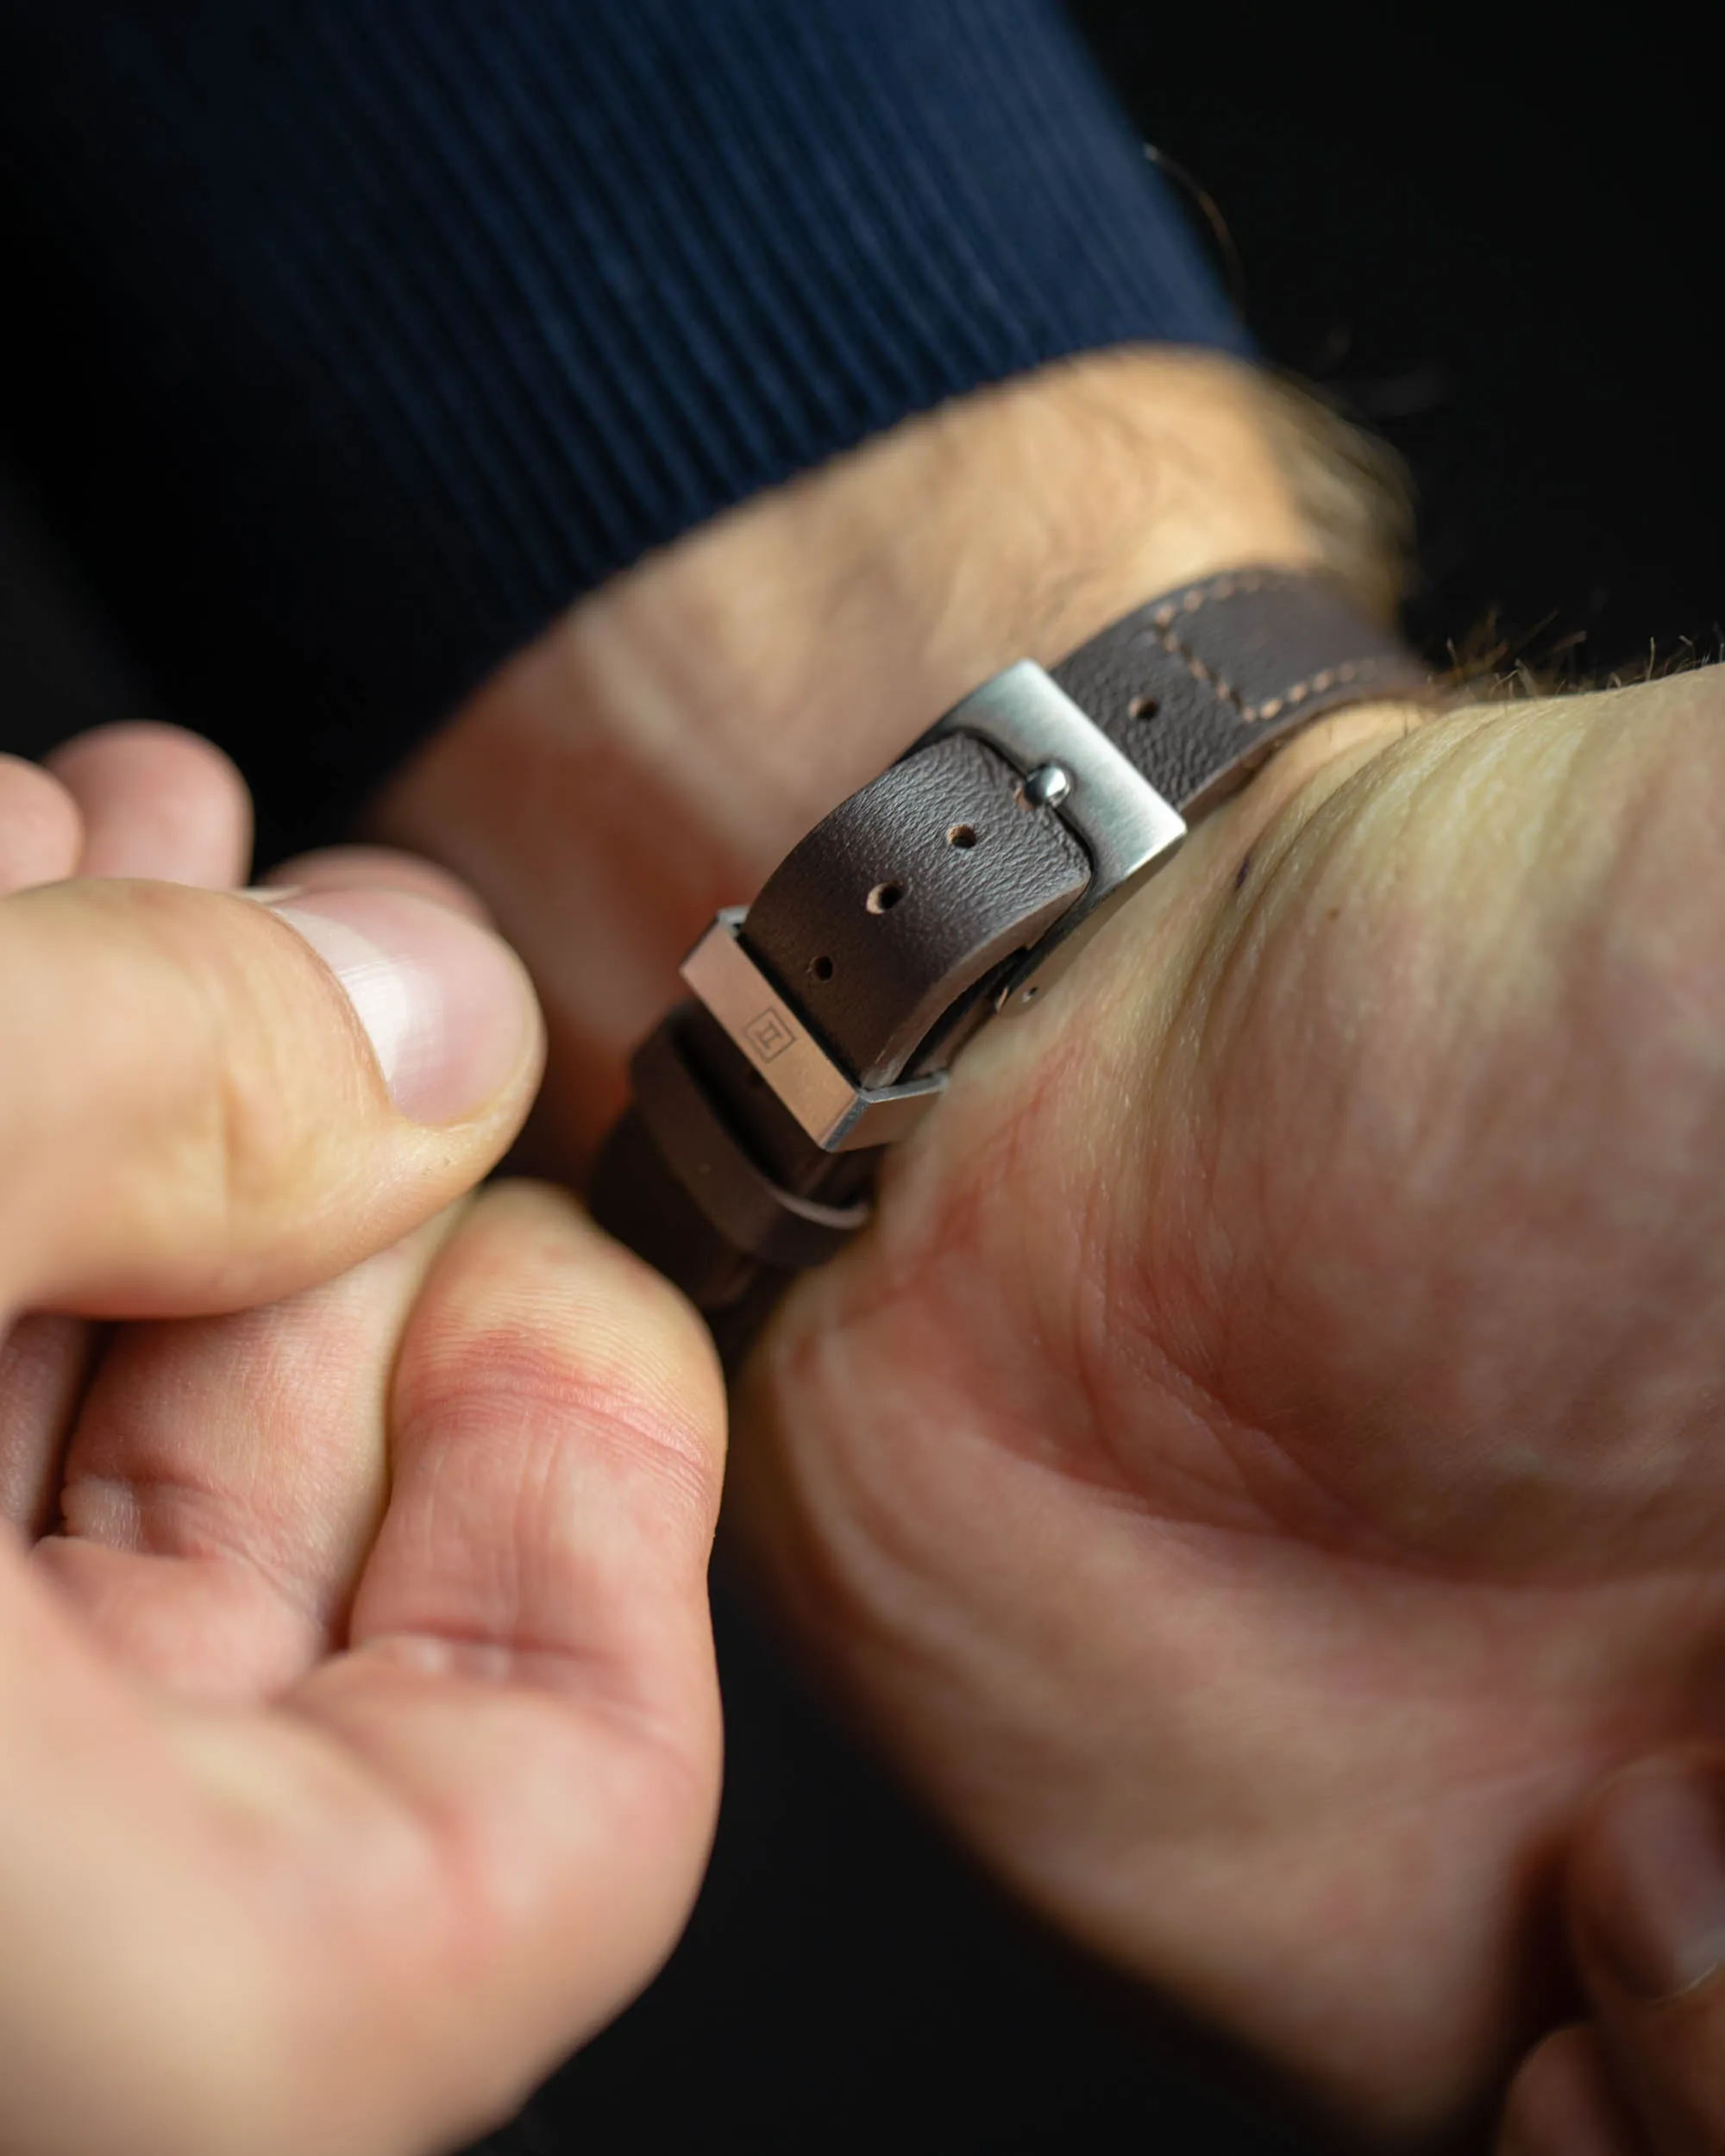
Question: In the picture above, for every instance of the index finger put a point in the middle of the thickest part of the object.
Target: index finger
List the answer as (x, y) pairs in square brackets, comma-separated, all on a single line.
[(156, 801)]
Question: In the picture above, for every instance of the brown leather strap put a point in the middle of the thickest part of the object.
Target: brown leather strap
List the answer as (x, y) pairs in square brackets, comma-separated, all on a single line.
[(1199, 687), (887, 934), (899, 902)]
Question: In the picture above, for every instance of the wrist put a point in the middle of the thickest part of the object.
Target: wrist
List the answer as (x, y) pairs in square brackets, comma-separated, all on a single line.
[(655, 752)]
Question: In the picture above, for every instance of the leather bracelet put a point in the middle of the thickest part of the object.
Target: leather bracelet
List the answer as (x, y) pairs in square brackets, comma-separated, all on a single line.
[(954, 886)]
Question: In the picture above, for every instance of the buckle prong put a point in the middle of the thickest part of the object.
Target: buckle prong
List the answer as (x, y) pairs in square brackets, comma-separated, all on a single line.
[(1126, 826)]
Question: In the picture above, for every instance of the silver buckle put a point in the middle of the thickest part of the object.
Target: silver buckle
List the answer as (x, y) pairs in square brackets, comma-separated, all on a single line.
[(1069, 764), (839, 1115), (1126, 827)]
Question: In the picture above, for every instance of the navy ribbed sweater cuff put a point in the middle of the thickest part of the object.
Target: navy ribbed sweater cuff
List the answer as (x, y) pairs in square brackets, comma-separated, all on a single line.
[(360, 335)]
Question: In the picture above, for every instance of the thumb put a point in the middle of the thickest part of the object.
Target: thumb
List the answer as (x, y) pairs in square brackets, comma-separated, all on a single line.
[(219, 1101)]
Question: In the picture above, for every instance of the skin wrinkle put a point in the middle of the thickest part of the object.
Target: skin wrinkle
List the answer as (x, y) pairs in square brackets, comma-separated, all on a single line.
[(1357, 1810), (576, 1672), (478, 1378), (1227, 958), (884, 1596), (861, 1514), (231, 1146), (605, 1665), (1120, 1324), (1123, 1356), (559, 1749), (308, 1628), (425, 1835), (1372, 1571), (164, 1515), (1625, 1364), (254, 1814), (1626, 1724), (298, 1521), (824, 1574), (244, 1118), (111, 1512)]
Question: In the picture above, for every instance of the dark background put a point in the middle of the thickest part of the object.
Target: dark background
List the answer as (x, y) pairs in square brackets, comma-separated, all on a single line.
[(1504, 256)]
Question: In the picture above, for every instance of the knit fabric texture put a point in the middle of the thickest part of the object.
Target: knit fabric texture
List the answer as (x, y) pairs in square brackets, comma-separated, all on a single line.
[(351, 340)]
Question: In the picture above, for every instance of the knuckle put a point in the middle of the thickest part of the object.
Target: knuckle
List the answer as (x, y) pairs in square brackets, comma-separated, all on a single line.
[(535, 1382), (250, 1132), (248, 1099), (186, 1125)]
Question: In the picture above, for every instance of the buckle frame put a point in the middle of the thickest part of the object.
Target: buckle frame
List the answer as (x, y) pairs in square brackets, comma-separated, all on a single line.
[(838, 1114), (1125, 825)]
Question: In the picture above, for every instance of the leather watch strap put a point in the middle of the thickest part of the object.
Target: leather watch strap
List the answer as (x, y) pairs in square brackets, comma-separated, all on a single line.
[(1198, 687), (952, 886)]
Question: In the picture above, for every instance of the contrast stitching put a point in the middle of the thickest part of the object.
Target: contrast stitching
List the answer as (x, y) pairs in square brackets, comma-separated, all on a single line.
[(1226, 586), (1302, 691)]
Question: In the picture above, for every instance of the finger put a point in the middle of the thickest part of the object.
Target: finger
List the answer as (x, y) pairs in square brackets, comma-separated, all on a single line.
[(1647, 1908), (1562, 2103), (378, 868), (157, 802), (40, 831), (45, 1363), (532, 1670), (227, 1478), (43, 1360), (213, 1114), (558, 1424)]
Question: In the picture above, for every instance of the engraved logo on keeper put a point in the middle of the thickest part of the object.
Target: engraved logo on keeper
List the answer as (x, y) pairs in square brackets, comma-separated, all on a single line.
[(770, 1035)]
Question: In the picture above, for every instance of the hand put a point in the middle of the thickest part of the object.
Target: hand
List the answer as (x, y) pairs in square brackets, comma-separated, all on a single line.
[(1646, 1903), (355, 1688), (1258, 1474)]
